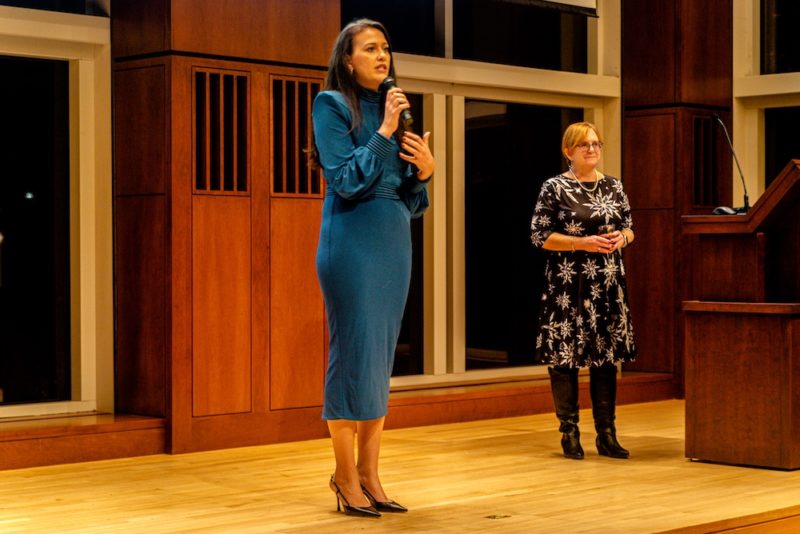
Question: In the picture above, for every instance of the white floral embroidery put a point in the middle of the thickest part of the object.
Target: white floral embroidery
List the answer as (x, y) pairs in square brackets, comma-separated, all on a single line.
[(590, 269), (574, 227), (595, 291), (566, 271), (610, 270), (563, 301), (603, 206)]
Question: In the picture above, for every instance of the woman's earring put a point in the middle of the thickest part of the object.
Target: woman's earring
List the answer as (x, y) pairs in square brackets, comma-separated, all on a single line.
[(350, 69)]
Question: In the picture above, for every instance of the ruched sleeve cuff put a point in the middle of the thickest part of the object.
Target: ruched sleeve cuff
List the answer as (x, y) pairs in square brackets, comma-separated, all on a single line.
[(379, 145)]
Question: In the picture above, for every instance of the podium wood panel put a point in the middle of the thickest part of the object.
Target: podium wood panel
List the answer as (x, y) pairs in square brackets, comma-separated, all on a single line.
[(743, 383)]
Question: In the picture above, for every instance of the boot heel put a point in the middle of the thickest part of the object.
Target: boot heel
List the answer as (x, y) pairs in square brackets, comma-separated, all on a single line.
[(607, 445), (571, 445)]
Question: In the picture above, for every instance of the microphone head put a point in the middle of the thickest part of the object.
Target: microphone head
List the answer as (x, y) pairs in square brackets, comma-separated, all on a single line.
[(387, 84)]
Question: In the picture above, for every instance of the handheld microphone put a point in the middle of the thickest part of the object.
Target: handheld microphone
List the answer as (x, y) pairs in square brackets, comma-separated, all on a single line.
[(405, 115), (724, 210)]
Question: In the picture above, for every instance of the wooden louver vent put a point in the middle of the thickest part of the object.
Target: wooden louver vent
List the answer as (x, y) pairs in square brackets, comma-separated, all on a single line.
[(221, 103), (706, 192), (291, 137)]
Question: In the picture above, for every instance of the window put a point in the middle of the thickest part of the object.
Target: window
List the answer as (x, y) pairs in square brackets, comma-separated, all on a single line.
[(82, 44), (506, 163), (780, 49), (766, 90), (410, 23), (517, 33), (780, 140)]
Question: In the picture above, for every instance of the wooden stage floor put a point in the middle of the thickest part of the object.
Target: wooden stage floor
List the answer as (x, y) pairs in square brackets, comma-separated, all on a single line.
[(501, 475)]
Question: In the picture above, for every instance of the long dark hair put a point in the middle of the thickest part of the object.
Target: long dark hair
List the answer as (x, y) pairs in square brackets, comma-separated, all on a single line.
[(340, 78)]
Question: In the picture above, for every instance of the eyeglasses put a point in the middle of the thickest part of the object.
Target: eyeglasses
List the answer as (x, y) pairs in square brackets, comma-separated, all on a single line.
[(586, 146)]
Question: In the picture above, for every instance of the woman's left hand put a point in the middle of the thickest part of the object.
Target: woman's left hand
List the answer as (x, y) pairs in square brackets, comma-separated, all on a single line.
[(417, 152), (616, 238)]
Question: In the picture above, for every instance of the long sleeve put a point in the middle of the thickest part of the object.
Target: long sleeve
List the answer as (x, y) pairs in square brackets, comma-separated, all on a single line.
[(416, 196), (625, 207), (351, 171), (544, 214)]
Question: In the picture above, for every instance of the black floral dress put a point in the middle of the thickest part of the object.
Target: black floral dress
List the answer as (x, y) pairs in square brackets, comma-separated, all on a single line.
[(584, 318)]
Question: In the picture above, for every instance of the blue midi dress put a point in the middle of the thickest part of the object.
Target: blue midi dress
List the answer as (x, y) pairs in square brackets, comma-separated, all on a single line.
[(364, 252)]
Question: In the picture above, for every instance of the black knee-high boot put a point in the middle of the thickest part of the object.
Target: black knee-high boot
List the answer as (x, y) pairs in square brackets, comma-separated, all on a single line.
[(564, 384), (603, 389)]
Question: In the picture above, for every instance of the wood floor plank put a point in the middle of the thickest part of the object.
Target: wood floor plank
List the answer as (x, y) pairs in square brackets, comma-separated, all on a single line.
[(501, 475)]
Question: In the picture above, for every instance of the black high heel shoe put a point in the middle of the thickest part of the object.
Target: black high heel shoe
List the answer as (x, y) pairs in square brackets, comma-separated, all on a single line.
[(384, 506), (341, 501)]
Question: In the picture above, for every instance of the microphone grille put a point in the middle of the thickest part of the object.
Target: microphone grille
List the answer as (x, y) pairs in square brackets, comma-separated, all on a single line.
[(387, 84)]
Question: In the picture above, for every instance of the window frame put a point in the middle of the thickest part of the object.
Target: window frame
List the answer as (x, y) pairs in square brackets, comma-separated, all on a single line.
[(85, 42)]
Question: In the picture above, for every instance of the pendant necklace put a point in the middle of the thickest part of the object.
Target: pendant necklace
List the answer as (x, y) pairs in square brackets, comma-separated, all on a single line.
[(596, 183)]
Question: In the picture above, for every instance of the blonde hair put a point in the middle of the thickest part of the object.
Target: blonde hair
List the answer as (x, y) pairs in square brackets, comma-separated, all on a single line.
[(576, 133)]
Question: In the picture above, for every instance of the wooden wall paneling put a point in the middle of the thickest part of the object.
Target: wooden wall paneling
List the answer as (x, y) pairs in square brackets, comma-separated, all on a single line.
[(180, 69), (139, 27), (651, 183), (261, 252), (142, 316), (140, 253), (650, 272), (675, 53), (649, 55), (221, 320), (140, 129), (297, 315), (649, 159), (705, 68), (298, 32)]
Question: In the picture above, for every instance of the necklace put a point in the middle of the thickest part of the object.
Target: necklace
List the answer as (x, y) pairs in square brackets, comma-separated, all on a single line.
[(596, 183)]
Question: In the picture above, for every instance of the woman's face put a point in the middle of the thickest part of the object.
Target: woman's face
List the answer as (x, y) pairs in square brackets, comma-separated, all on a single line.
[(370, 58), (586, 154)]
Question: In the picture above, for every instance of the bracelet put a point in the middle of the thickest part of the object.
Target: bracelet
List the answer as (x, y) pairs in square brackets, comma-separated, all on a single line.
[(624, 238), (572, 243)]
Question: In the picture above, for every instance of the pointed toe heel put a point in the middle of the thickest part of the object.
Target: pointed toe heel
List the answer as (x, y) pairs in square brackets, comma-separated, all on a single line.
[(384, 506), (342, 503)]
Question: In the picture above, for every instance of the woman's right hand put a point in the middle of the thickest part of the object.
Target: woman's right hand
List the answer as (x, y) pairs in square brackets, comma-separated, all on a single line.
[(396, 102)]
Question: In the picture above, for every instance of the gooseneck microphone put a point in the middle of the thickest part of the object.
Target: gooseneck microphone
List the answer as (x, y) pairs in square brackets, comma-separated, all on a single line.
[(405, 116), (724, 210)]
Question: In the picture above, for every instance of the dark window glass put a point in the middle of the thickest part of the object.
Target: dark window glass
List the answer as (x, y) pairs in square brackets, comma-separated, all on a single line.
[(516, 33), (780, 48), (780, 140), (409, 358), (511, 149), (410, 23), (34, 225)]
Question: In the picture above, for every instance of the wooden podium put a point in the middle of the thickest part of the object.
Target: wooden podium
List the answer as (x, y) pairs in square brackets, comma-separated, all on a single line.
[(742, 331)]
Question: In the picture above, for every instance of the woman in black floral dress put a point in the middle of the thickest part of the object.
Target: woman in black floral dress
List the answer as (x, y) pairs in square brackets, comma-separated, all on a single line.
[(583, 219)]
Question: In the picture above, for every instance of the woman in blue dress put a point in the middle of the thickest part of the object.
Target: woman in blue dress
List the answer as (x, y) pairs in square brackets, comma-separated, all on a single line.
[(376, 173), (583, 219)]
